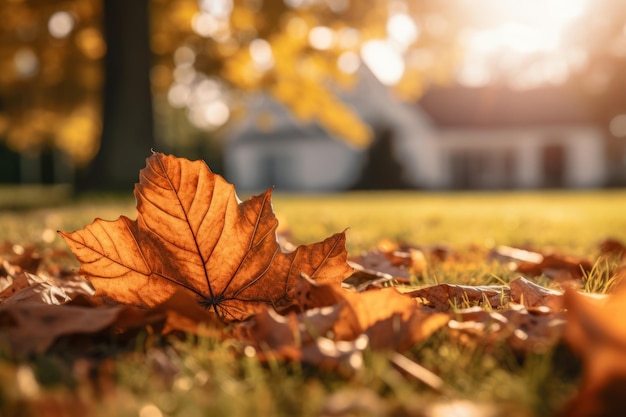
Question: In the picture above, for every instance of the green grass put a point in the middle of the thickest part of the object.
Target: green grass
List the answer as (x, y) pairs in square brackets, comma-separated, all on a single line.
[(153, 378), (563, 220)]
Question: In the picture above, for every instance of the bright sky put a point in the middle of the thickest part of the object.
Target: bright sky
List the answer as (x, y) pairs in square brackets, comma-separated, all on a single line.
[(527, 46), (524, 44)]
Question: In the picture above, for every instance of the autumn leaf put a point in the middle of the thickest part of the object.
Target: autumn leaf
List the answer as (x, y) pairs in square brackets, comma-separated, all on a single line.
[(443, 297), (524, 329), (182, 314), (596, 332), (530, 294), (24, 286), (286, 336), (391, 320), (32, 327), (193, 233)]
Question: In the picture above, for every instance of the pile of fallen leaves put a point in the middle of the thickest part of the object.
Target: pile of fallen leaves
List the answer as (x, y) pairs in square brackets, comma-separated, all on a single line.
[(197, 260)]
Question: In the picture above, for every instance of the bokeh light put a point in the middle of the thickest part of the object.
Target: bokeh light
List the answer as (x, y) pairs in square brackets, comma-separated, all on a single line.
[(60, 24)]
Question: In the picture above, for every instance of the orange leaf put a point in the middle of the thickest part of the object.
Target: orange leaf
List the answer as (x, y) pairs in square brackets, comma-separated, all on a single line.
[(531, 294), (192, 232), (390, 319), (442, 297), (596, 331), (33, 327)]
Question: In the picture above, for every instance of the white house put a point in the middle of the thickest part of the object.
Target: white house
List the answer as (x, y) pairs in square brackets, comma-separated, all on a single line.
[(495, 137), (300, 157), (453, 138)]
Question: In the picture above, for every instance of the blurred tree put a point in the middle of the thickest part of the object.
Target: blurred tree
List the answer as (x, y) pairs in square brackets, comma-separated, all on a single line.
[(127, 129), (209, 54), (50, 76)]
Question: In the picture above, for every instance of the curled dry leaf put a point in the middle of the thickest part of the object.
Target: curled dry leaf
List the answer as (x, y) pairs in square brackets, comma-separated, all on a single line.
[(596, 331), (444, 297), (363, 279), (183, 314), (300, 337), (529, 294), (32, 327), (612, 247), (24, 258), (390, 319), (525, 330), (558, 267), (25, 286), (192, 233), (391, 259)]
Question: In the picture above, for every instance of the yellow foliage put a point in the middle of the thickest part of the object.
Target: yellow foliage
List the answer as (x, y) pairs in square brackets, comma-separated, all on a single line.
[(51, 100), (91, 43), (79, 134)]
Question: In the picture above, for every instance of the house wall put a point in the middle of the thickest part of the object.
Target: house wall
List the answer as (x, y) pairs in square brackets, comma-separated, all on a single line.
[(554, 156), (292, 164)]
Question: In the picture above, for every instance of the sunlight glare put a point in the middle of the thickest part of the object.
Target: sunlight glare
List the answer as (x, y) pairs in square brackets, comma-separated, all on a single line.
[(221, 9), (150, 410), (348, 62), (217, 113), (261, 53), (321, 37), (25, 62), (402, 29), (60, 24), (529, 29), (385, 61)]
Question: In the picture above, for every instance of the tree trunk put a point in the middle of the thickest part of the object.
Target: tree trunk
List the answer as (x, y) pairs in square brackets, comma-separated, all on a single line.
[(127, 132)]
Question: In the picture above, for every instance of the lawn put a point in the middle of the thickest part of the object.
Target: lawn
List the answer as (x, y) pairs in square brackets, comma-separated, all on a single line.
[(149, 377)]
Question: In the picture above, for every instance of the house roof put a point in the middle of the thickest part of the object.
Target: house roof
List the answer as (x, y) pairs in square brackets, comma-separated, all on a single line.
[(501, 106)]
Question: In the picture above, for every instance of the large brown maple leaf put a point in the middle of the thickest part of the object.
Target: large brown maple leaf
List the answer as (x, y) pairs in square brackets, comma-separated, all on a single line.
[(192, 232)]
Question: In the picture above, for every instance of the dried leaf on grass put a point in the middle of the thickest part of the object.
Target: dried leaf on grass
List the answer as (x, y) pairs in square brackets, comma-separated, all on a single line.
[(192, 233), (32, 327), (612, 247), (23, 280), (391, 320), (333, 336), (525, 330), (558, 267), (446, 297), (596, 332), (530, 294)]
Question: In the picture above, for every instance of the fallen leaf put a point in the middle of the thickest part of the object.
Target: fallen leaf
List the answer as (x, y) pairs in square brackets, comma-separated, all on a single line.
[(524, 330), (11, 280), (516, 255), (392, 260), (32, 327), (193, 233), (444, 297), (24, 258), (529, 294), (557, 267), (183, 314), (596, 332), (300, 337), (612, 247), (391, 319), (363, 279), (533, 329)]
